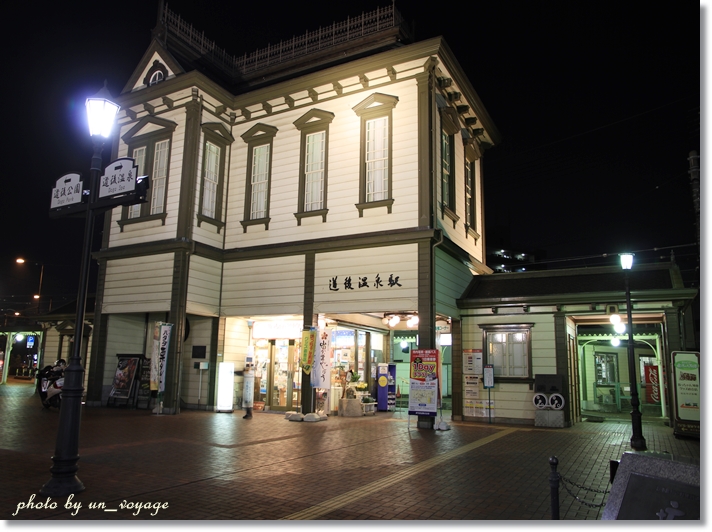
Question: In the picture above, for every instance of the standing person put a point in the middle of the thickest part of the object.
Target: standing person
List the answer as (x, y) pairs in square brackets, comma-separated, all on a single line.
[(248, 391)]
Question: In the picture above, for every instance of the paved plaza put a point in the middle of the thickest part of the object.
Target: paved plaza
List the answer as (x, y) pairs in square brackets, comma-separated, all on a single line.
[(217, 466)]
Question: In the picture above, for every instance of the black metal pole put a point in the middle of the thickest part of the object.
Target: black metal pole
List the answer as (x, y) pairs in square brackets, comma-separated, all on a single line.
[(554, 487), (637, 441), (64, 480)]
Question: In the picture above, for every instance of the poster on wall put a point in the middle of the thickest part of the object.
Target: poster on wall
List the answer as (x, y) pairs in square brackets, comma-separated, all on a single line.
[(159, 355), (472, 361), (472, 386), (423, 396), (484, 408), (469, 407)]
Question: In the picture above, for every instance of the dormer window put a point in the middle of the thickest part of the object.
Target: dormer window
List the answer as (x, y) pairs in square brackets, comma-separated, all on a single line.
[(156, 78), (157, 73)]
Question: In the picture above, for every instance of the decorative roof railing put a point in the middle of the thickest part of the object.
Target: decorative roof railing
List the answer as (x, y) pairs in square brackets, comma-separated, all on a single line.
[(313, 41)]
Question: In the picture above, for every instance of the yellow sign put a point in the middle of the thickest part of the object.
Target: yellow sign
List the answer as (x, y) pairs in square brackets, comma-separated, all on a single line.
[(382, 381)]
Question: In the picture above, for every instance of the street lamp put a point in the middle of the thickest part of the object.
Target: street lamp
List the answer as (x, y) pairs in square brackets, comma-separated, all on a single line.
[(637, 441), (101, 112), (37, 296)]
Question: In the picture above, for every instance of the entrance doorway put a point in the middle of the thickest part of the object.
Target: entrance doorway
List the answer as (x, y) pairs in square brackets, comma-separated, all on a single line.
[(278, 378)]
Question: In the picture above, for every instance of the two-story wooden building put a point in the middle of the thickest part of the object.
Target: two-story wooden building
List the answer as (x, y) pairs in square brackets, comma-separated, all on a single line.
[(334, 180)]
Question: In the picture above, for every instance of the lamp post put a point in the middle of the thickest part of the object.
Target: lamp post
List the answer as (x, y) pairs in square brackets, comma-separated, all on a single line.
[(38, 296), (637, 441), (101, 112)]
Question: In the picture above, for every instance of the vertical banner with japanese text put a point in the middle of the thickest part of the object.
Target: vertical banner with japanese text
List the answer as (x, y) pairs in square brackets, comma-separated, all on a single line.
[(159, 355), (321, 376), (424, 388), (309, 338)]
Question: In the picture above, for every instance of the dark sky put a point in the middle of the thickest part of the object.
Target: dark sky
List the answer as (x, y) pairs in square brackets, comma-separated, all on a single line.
[(597, 104)]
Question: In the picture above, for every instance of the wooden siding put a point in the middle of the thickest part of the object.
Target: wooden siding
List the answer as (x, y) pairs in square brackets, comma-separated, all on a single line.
[(264, 286), (193, 392), (513, 400), (399, 261), (451, 280), (126, 334), (204, 286), (343, 177), (138, 284)]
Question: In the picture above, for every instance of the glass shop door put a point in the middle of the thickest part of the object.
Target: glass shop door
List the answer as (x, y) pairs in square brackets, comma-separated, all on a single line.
[(286, 376)]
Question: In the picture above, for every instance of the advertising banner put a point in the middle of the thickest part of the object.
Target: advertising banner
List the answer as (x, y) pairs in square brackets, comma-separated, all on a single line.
[(687, 385), (308, 349), (321, 376), (159, 355), (423, 396)]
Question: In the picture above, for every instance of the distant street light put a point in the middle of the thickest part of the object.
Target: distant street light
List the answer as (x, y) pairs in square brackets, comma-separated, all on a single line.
[(101, 112), (38, 295), (637, 441)]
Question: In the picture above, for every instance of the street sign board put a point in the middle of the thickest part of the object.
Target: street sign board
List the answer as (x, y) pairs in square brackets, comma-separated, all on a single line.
[(67, 191), (119, 178)]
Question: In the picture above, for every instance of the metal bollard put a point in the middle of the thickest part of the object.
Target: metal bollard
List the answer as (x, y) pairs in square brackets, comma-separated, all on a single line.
[(554, 485)]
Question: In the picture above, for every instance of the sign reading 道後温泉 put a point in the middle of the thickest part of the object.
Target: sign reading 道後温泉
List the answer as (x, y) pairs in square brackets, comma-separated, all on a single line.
[(119, 178)]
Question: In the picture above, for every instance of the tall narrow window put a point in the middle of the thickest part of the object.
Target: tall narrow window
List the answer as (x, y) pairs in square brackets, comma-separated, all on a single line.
[(216, 139), (314, 171), (210, 179), (447, 180), (450, 127), (313, 164), (470, 196), (377, 159), (259, 140), (160, 174), (376, 164), (259, 181), (152, 152), (139, 155)]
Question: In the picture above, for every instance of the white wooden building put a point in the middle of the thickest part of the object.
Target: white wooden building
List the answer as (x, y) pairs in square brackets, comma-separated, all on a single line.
[(340, 186)]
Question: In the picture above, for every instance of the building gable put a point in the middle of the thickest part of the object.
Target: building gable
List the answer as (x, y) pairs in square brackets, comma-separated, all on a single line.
[(157, 64)]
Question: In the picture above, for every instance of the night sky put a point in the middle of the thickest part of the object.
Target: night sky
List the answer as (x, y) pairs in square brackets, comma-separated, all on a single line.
[(598, 105)]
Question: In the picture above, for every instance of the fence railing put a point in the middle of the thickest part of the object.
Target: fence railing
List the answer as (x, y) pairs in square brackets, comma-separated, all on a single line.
[(311, 42), (555, 478)]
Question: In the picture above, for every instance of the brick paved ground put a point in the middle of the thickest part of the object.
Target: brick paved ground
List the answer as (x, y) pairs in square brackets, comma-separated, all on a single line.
[(204, 465)]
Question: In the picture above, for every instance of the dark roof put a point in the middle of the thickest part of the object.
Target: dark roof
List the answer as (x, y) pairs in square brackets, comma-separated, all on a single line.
[(570, 283)]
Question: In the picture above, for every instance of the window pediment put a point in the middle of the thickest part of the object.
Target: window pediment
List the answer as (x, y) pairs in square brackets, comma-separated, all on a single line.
[(259, 132), (143, 127), (220, 130), (376, 100), (314, 117)]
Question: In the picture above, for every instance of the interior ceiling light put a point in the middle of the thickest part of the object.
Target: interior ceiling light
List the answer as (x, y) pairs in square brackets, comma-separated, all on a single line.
[(393, 319)]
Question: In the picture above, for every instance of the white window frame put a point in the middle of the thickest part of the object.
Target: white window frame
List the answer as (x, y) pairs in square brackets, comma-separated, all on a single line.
[(313, 164), (258, 181), (509, 348), (376, 159)]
